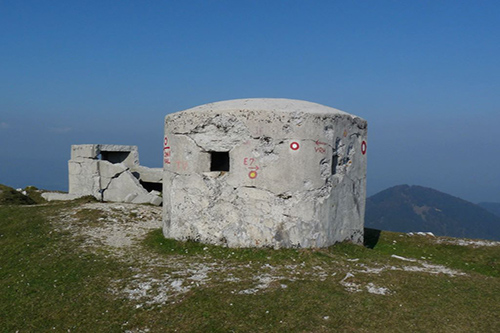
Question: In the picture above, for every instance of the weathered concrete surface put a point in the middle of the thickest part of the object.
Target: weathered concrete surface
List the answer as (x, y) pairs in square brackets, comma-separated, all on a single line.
[(109, 173), (55, 196), (297, 174), (150, 175)]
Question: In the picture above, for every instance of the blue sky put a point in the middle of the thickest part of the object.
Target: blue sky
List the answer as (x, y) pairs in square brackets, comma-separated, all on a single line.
[(425, 74)]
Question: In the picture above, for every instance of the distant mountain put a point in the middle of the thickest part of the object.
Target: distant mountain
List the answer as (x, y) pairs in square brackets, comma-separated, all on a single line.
[(492, 207), (407, 208)]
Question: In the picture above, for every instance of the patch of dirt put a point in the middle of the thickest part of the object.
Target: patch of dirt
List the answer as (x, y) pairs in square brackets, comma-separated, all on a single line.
[(120, 226)]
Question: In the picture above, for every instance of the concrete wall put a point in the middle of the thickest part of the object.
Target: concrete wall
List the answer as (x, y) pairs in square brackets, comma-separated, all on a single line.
[(109, 173), (281, 190)]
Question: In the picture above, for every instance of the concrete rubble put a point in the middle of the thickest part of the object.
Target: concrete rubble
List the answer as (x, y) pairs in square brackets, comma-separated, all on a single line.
[(110, 173), (264, 173)]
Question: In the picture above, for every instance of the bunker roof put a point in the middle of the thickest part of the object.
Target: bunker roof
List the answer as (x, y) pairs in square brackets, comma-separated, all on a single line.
[(268, 104)]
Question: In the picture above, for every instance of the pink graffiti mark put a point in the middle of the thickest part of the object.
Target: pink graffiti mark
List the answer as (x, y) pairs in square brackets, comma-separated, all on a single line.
[(318, 147), (249, 162), (181, 165), (166, 151), (166, 156)]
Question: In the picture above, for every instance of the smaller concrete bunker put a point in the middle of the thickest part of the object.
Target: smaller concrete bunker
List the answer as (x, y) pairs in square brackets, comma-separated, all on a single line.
[(110, 173), (264, 173)]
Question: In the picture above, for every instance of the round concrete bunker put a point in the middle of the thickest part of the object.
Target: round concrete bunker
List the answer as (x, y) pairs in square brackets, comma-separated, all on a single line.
[(264, 173)]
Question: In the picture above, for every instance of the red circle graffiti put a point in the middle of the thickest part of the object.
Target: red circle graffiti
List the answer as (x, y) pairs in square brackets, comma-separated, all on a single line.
[(252, 174), (294, 145), (363, 147)]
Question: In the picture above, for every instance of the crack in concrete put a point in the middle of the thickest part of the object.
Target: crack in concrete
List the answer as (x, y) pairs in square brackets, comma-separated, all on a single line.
[(116, 175)]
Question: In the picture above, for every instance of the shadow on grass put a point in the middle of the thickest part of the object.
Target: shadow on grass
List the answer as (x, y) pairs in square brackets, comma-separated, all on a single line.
[(371, 237)]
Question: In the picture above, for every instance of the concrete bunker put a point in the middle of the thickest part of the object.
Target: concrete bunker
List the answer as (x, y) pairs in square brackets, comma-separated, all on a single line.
[(110, 173), (264, 173)]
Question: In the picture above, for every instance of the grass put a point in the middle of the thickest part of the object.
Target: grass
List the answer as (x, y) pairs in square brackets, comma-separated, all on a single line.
[(9, 196), (325, 306), (156, 241), (34, 194), (482, 260), (49, 283)]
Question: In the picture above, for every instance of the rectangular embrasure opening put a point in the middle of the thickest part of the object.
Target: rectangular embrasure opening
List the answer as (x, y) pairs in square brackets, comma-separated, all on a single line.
[(219, 161), (114, 156), (335, 162), (152, 186)]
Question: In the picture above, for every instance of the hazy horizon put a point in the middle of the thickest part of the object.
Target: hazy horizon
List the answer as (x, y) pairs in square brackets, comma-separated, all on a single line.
[(425, 75)]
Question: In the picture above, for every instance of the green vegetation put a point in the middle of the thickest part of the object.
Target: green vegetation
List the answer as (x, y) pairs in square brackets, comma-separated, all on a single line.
[(483, 260), (34, 194), (28, 196), (9, 196), (156, 241), (49, 282)]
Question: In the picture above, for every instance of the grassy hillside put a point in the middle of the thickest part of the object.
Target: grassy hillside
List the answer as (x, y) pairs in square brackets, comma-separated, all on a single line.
[(93, 267), (27, 196), (9, 196)]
